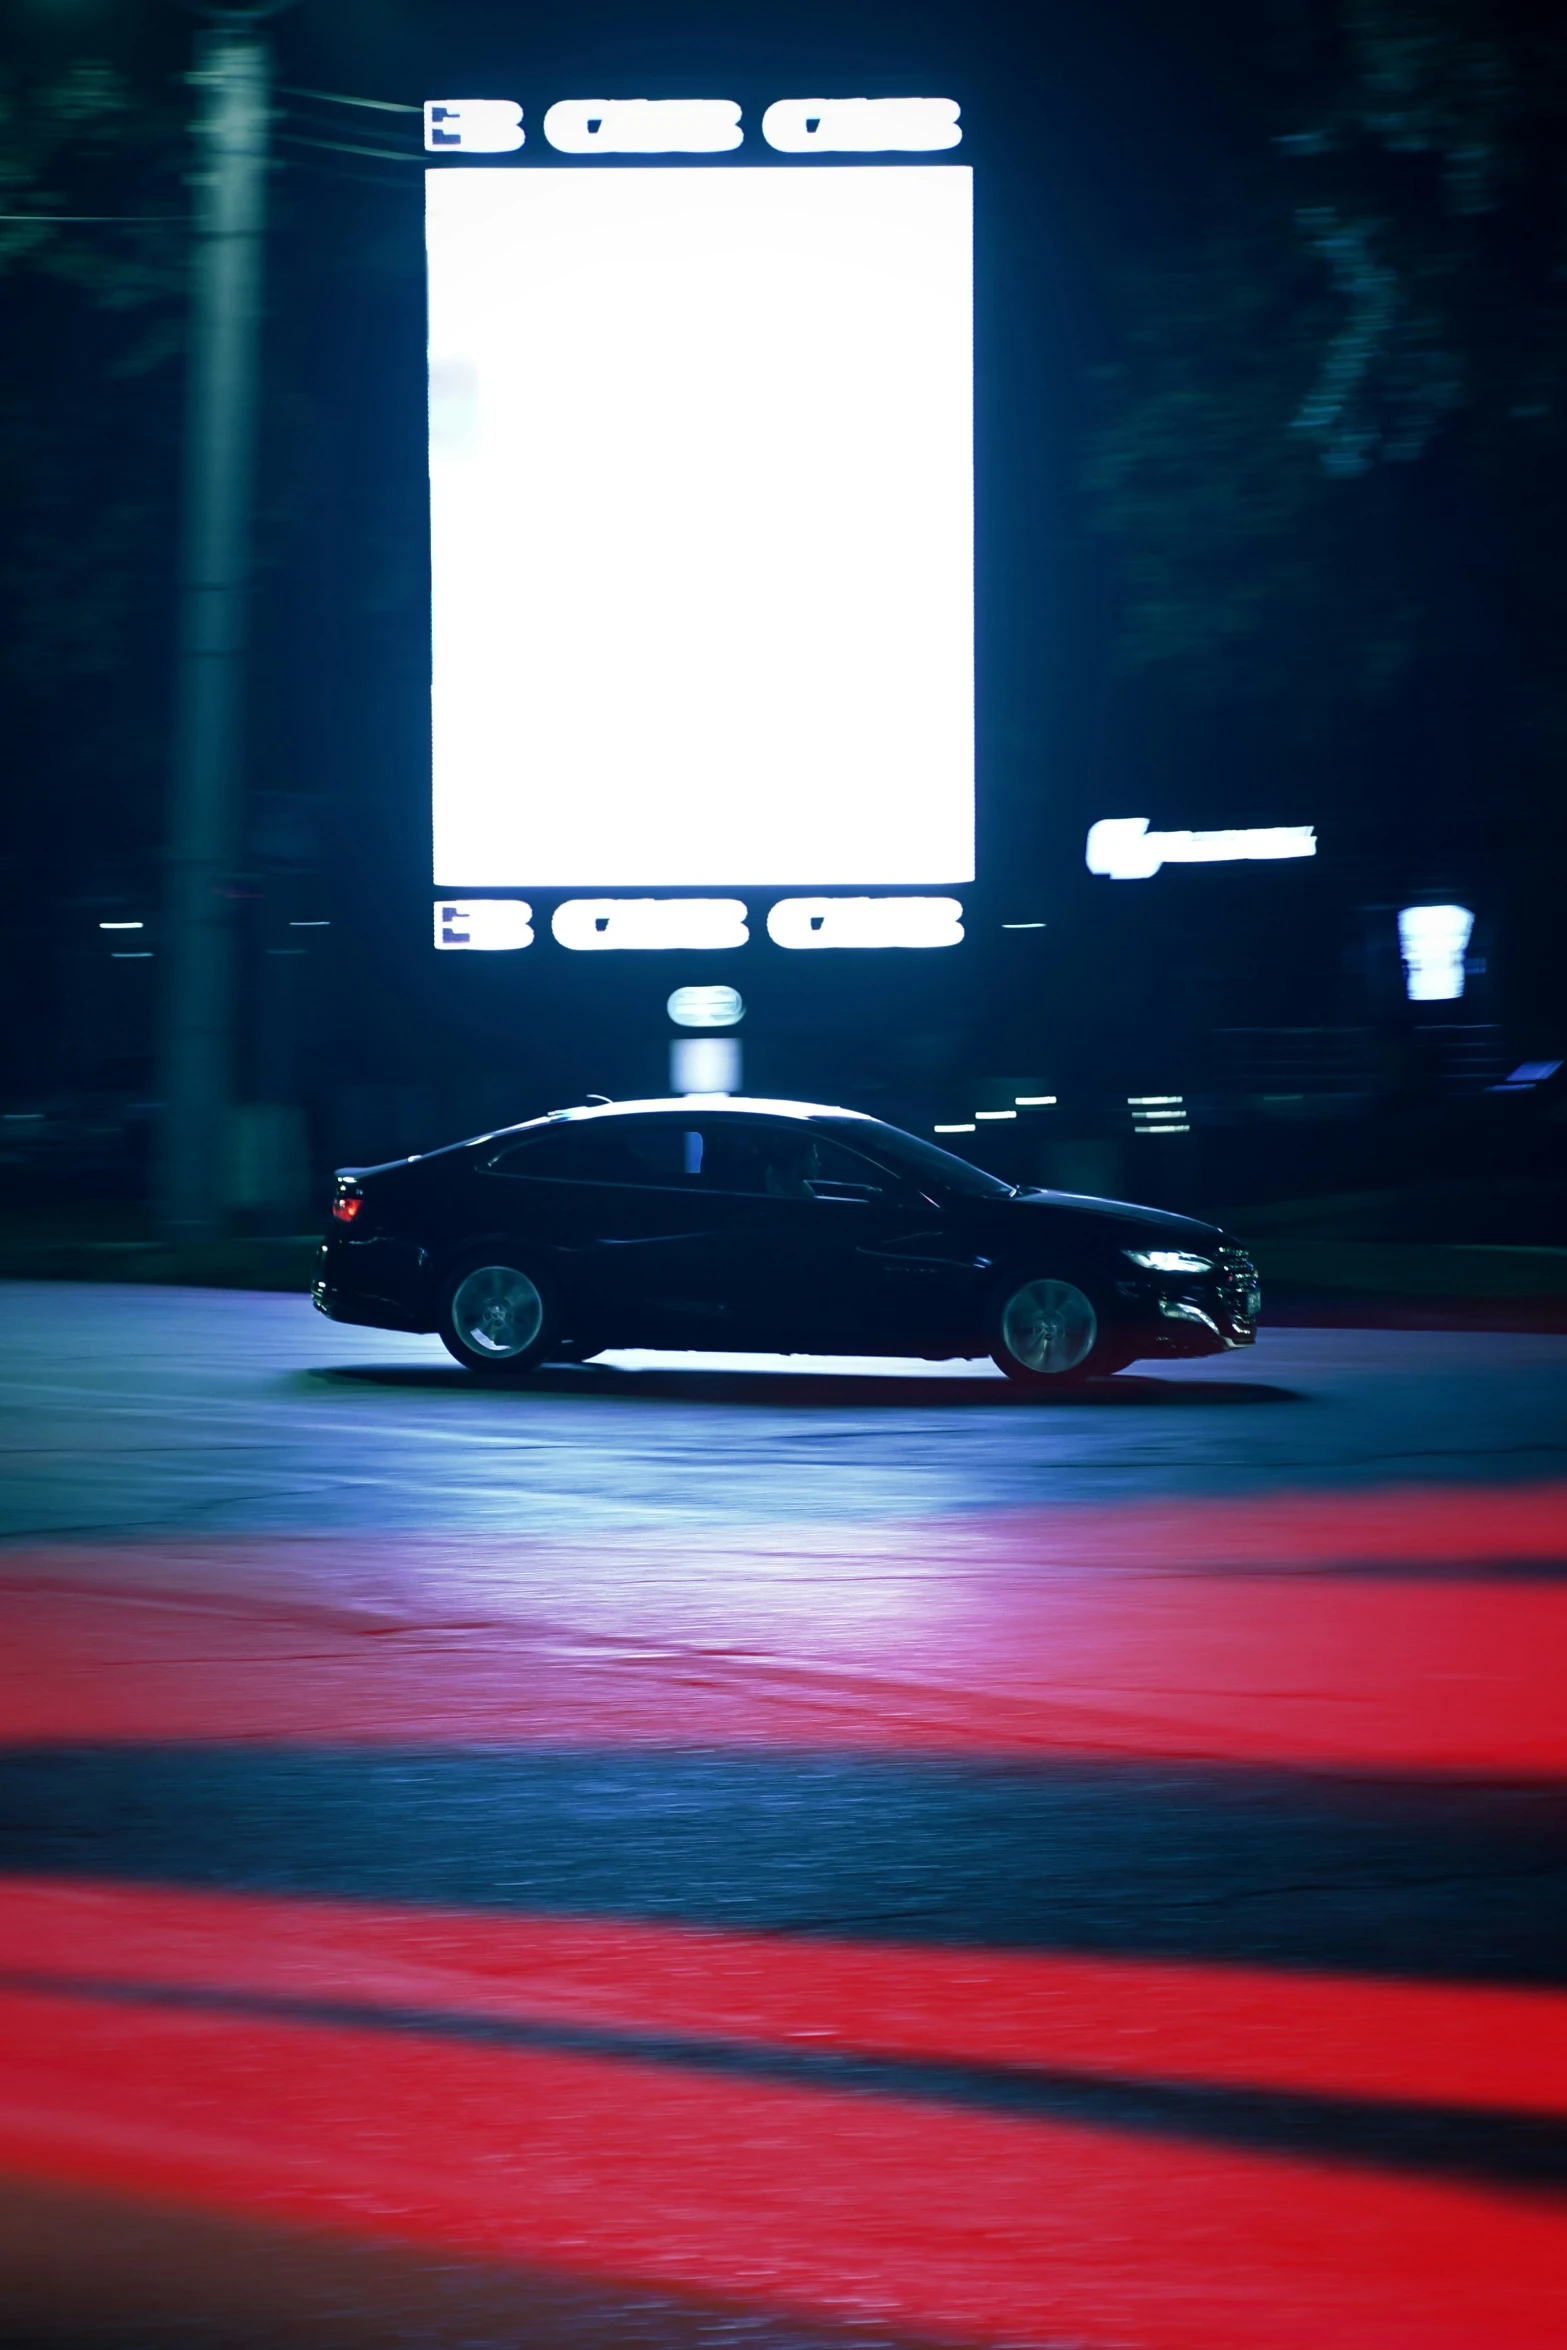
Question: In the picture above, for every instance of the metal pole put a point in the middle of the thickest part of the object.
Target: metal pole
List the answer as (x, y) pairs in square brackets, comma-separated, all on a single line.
[(231, 77)]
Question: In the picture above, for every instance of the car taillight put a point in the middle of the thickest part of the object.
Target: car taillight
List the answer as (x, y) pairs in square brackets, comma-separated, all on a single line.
[(348, 1207)]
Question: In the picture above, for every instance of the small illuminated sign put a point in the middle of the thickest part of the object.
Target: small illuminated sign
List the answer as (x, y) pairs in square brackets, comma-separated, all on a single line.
[(866, 922), (704, 1064), (706, 1007), (1434, 941), (1158, 1113), (601, 925), (472, 126), (1125, 849), (861, 126), (485, 925), (643, 126)]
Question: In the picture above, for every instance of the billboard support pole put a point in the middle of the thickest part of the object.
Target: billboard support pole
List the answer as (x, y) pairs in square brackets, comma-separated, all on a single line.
[(231, 130)]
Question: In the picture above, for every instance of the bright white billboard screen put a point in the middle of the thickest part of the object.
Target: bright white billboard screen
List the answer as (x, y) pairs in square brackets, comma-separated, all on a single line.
[(702, 526)]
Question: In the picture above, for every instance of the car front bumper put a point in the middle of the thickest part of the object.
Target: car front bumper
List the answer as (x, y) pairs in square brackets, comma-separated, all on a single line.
[(1209, 1315), (1187, 1328)]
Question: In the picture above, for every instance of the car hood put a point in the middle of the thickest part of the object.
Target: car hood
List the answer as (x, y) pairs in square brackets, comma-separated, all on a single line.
[(1126, 1213)]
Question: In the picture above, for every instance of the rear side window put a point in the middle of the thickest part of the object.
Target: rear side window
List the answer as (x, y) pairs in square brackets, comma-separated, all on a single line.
[(560, 1154), (607, 1150)]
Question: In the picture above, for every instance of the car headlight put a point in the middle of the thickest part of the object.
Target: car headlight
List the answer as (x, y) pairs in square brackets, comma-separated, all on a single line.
[(1168, 1260)]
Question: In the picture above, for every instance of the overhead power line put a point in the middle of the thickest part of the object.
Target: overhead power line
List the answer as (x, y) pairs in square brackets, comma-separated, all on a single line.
[(336, 98), (340, 147)]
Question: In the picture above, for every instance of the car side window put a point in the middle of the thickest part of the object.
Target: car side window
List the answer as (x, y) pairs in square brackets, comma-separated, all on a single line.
[(749, 1156), (583, 1153), (734, 1156), (554, 1151), (793, 1162), (607, 1150), (663, 1153)]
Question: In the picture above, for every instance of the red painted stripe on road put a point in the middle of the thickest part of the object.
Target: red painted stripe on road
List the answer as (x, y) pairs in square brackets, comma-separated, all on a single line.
[(1155, 2020), (1131, 1631), (984, 2227)]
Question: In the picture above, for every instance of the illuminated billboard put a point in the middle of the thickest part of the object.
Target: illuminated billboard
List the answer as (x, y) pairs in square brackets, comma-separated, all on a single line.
[(702, 526)]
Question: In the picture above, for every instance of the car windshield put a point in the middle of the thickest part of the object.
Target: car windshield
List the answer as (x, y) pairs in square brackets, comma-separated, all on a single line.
[(923, 1163)]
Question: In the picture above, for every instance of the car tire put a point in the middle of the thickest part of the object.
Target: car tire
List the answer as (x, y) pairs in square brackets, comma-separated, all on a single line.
[(496, 1313), (1046, 1332)]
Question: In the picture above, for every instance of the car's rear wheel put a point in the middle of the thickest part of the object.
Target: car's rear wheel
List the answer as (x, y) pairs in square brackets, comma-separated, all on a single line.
[(1046, 1333), (496, 1315)]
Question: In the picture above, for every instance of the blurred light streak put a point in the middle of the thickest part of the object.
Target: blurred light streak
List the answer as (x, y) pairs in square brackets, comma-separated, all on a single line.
[(708, 1065), (336, 98), (1151, 2019), (921, 2212), (1433, 941), (1420, 1628), (1125, 849), (341, 147)]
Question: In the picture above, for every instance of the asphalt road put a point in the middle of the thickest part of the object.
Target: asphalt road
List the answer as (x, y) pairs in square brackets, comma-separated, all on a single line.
[(210, 1411), (679, 1852)]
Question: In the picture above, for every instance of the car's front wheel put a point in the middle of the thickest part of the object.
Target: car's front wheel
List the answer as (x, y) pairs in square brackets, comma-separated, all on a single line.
[(1047, 1333), (496, 1315)]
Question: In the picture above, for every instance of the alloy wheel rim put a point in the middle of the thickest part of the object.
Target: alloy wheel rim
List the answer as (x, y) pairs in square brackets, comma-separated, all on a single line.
[(1049, 1326), (497, 1311)]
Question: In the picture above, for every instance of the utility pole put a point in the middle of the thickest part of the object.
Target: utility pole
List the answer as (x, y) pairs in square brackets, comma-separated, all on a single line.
[(231, 130)]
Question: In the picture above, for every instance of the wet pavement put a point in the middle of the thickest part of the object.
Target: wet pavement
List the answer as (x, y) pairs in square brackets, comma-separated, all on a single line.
[(679, 1851)]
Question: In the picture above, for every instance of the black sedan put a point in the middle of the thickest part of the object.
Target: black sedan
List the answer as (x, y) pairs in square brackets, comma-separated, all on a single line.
[(780, 1227)]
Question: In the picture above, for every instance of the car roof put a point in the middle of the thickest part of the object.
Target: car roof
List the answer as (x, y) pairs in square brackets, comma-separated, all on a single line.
[(746, 1105)]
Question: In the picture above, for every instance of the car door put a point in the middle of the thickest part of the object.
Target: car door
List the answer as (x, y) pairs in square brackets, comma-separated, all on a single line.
[(888, 1265), (618, 1204), (807, 1213), (923, 1275)]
